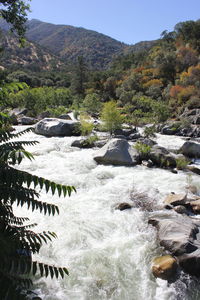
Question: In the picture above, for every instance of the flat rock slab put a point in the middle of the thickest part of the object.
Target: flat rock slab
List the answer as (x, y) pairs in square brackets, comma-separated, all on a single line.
[(175, 199)]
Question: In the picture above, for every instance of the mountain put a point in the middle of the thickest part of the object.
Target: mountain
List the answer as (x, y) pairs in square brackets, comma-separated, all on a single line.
[(31, 56), (69, 42)]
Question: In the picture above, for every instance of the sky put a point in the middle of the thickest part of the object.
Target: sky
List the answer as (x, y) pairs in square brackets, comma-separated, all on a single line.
[(128, 21)]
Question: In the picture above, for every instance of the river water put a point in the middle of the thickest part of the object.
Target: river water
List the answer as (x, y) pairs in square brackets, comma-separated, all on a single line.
[(108, 252)]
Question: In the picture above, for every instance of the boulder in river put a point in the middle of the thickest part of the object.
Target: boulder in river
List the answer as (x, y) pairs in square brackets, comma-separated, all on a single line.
[(117, 152), (180, 235), (161, 157), (164, 267), (191, 149), (175, 199), (27, 120), (123, 206), (57, 127)]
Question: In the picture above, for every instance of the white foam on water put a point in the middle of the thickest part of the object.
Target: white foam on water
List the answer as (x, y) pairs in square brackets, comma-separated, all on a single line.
[(107, 252)]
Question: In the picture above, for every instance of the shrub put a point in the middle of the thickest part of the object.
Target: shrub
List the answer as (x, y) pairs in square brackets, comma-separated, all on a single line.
[(86, 126), (111, 117), (143, 150), (181, 163)]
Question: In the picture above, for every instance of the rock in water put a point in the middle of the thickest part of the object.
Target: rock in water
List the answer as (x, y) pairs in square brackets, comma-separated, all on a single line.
[(117, 152), (191, 149), (57, 127), (164, 267)]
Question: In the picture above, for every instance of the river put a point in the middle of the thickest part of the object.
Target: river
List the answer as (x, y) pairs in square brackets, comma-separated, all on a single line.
[(108, 252)]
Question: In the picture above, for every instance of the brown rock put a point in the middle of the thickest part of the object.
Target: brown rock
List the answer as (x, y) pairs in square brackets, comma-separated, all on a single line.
[(164, 267), (175, 199), (180, 209), (195, 206), (194, 169), (123, 206)]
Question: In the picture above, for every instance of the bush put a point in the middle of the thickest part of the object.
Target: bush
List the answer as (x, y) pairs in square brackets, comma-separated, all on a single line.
[(181, 163), (86, 126), (111, 117), (143, 150)]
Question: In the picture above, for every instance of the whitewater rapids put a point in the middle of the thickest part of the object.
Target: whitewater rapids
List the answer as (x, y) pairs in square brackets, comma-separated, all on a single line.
[(108, 252)]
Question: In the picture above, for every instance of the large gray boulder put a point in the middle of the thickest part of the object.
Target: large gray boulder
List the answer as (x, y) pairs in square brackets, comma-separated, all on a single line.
[(57, 127), (180, 235), (27, 120), (117, 152), (161, 157), (191, 149)]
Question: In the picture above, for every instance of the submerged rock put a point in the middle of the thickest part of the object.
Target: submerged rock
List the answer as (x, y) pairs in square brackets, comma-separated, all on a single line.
[(123, 206), (57, 127), (164, 267), (117, 152)]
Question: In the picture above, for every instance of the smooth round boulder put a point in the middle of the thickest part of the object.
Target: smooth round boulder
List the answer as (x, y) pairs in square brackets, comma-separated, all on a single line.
[(164, 267), (123, 206), (191, 149), (117, 152), (57, 127)]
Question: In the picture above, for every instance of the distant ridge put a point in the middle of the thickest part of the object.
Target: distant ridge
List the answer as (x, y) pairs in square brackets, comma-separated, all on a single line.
[(68, 42)]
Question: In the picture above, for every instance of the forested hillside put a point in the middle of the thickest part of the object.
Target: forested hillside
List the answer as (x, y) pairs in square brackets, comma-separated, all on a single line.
[(149, 81)]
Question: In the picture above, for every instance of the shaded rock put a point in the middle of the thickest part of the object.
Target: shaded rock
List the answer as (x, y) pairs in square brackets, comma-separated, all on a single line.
[(134, 136), (164, 267), (82, 143), (27, 120), (180, 209), (57, 127), (123, 206), (125, 132), (174, 171), (176, 233), (18, 111), (147, 163), (65, 117), (119, 136), (117, 152), (194, 169), (43, 115), (161, 157), (190, 262), (191, 149), (195, 206), (100, 143), (147, 142), (175, 199)]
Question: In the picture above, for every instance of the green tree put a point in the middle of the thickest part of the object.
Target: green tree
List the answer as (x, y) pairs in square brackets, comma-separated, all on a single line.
[(79, 79), (111, 117), (18, 240), (92, 104), (15, 13)]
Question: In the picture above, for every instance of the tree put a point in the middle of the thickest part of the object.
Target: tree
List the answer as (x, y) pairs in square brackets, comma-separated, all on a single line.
[(15, 13), (18, 241), (79, 79), (92, 104), (111, 117)]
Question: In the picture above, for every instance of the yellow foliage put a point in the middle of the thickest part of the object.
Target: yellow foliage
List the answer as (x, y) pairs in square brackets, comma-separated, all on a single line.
[(155, 82)]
